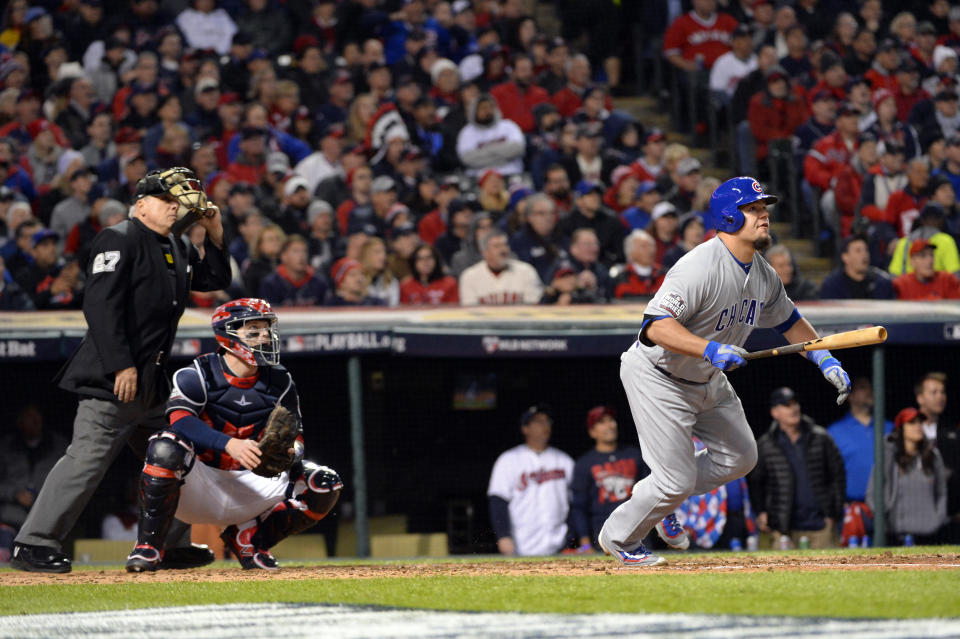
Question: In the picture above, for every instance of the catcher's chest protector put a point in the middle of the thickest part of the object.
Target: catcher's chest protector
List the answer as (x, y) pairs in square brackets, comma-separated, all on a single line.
[(234, 406)]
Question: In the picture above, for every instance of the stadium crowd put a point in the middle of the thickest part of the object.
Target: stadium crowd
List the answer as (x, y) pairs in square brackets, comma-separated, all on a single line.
[(340, 137)]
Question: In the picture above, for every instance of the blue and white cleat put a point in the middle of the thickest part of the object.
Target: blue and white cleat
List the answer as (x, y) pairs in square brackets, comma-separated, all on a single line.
[(672, 533), (636, 558)]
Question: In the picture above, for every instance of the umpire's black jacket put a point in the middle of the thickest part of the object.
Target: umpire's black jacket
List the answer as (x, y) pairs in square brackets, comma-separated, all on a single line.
[(772, 480), (132, 305)]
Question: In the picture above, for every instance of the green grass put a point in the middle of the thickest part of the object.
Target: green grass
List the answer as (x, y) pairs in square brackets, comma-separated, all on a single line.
[(887, 594)]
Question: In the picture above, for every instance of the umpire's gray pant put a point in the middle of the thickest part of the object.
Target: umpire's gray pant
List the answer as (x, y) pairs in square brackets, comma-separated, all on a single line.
[(100, 430)]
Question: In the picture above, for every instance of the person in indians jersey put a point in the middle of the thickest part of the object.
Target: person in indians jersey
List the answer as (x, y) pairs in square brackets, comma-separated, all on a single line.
[(698, 37), (200, 468), (529, 491), (602, 477)]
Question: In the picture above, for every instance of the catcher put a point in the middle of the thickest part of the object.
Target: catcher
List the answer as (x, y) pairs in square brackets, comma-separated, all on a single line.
[(233, 453)]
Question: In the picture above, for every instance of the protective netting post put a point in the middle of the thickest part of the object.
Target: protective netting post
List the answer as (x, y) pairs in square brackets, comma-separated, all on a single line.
[(355, 386), (879, 419)]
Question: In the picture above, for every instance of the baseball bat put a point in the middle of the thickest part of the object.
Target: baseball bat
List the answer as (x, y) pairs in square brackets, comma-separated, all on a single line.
[(847, 339)]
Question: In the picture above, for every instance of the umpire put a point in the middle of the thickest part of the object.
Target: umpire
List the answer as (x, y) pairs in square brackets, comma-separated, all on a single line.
[(138, 279)]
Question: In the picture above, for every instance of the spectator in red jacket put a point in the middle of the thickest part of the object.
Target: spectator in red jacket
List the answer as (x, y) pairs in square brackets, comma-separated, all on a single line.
[(641, 276), (882, 75), (649, 166), (570, 98), (925, 283), (696, 39), (904, 206), (850, 181), (428, 284), (833, 77), (883, 180), (517, 98), (908, 92), (434, 224), (829, 156), (622, 193), (774, 113), (359, 181)]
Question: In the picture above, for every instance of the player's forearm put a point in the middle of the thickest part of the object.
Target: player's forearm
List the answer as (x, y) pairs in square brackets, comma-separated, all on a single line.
[(671, 335), (801, 331)]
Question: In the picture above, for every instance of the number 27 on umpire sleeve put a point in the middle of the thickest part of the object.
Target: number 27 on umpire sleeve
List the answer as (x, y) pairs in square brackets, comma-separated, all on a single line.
[(105, 262)]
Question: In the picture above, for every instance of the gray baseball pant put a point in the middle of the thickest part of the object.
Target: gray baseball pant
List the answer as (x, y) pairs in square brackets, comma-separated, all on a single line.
[(101, 428), (667, 413)]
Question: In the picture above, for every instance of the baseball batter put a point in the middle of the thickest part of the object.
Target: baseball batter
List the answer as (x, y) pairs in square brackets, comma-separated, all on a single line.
[(693, 330), (200, 468)]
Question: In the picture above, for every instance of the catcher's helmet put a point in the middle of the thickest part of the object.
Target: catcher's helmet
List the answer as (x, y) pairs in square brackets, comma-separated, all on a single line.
[(228, 322), (727, 199)]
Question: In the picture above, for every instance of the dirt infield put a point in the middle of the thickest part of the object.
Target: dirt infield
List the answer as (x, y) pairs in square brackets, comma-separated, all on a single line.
[(677, 564)]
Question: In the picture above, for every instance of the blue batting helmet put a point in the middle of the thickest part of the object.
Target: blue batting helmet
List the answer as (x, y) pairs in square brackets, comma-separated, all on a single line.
[(727, 199)]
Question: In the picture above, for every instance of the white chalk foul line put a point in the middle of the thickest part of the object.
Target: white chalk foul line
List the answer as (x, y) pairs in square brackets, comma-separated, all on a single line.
[(358, 622)]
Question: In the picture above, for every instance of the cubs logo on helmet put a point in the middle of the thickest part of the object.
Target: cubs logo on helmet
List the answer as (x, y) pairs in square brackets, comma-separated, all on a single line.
[(729, 197)]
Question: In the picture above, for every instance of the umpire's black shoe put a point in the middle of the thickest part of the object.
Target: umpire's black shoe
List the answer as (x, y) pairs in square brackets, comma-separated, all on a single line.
[(39, 559), (193, 556)]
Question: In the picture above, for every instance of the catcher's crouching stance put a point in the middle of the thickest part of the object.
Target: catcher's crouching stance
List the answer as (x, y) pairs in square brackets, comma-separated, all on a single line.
[(237, 413)]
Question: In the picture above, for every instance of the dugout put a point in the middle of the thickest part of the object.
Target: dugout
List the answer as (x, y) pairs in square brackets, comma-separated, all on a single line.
[(412, 406)]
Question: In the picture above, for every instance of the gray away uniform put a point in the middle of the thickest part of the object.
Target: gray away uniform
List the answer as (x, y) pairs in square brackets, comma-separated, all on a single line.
[(673, 397)]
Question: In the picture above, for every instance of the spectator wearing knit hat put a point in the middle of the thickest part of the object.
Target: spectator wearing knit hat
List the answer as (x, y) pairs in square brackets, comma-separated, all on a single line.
[(889, 128), (622, 192), (603, 477), (350, 286)]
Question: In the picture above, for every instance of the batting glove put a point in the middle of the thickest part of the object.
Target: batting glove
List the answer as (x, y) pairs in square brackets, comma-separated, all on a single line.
[(833, 372), (726, 357)]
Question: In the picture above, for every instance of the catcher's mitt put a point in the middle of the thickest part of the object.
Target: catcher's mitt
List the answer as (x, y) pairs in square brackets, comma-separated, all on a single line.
[(279, 436)]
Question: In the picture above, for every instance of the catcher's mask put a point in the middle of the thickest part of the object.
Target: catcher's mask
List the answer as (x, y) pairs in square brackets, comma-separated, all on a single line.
[(229, 323), (178, 184)]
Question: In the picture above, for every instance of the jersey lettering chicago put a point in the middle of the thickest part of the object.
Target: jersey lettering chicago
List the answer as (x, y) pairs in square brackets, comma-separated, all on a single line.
[(536, 487), (236, 406), (715, 297)]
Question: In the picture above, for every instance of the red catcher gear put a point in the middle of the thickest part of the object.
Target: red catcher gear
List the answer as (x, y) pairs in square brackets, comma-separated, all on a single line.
[(230, 318)]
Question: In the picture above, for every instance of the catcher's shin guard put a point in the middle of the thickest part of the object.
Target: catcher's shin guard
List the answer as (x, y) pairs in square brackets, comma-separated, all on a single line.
[(168, 459), (321, 487)]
